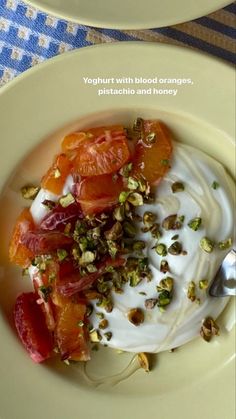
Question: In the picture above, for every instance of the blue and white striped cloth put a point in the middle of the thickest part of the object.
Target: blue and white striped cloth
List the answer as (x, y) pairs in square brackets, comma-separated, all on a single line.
[(29, 36)]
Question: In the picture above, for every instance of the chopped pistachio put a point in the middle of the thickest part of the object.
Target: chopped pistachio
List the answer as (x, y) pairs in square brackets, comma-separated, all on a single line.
[(66, 200), (209, 329), (29, 191), (135, 199), (57, 173), (142, 293), (76, 252), (166, 284), (206, 244), (161, 249), (123, 196), (164, 266), (61, 254), (126, 169), (119, 213), (45, 291), (136, 316), (149, 218), (108, 336), (91, 268), (133, 184), (171, 223), (103, 287), (89, 310), (100, 315), (87, 257), (129, 229), (225, 244), (164, 299), (106, 303), (103, 324), (95, 336), (115, 232), (134, 278), (80, 323), (155, 231), (112, 248), (191, 293), (150, 303), (143, 361), (181, 218), (151, 138), (175, 248), (165, 162), (139, 245), (195, 223), (203, 284), (175, 237), (215, 185), (177, 187)]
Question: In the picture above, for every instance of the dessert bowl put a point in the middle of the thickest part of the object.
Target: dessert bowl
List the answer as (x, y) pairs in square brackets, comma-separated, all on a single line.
[(38, 109)]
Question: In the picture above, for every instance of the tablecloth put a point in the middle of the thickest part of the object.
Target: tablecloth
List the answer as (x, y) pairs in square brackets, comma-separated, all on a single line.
[(29, 36)]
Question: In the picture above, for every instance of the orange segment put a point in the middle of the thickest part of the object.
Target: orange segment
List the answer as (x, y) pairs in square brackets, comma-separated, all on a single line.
[(153, 153), (18, 253), (97, 193), (105, 151), (55, 177), (71, 334)]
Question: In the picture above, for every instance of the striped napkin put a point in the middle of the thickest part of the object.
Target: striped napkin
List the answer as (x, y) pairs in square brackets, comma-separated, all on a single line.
[(29, 36)]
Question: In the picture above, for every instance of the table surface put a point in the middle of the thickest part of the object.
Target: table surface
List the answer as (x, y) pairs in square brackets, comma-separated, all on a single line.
[(29, 36)]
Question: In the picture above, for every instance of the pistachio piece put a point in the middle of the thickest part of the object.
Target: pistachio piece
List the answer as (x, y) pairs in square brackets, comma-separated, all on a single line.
[(209, 329), (225, 244), (134, 278), (100, 315), (87, 257), (125, 170), (61, 254), (206, 244), (150, 303), (164, 266), (155, 232), (177, 187), (108, 336), (161, 249), (129, 229), (149, 218), (136, 316), (66, 200), (164, 299), (112, 248), (138, 246), (215, 185), (135, 199), (133, 184), (119, 213), (191, 292), (166, 284), (91, 268), (103, 324), (195, 223), (105, 303), (151, 138), (123, 197), (29, 191), (203, 284), (175, 248), (115, 232), (95, 336), (171, 223), (143, 361)]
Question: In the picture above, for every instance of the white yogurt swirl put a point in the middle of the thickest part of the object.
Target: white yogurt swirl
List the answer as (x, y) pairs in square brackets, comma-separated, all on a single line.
[(182, 319)]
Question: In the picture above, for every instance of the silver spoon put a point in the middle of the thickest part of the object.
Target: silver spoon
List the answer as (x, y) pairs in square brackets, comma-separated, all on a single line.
[(224, 283)]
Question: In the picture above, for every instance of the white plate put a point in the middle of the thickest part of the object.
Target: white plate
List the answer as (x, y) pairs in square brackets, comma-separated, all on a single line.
[(131, 14), (36, 109)]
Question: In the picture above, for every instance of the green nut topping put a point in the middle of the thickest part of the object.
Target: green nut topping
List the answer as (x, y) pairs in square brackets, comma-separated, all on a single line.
[(175, 248), (135, 199), (29, 191), (119, 213), (115, 232), (209, 329), (191, 293), (164, 266), (133, 184), (123, 196), (103, 324), (171, 223), (207, 245), (61, 254), (129, 229), (215, 185), (177, 187), (203, 284), (195, 223), (125, 170), (225, 244), (161, 249), (138, 246), (149, 219), (108, 336), (66, 200), (87, 257), (136, 316), (166, 284)]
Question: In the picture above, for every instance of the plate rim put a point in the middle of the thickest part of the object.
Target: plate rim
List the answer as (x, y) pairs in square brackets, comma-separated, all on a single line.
[(120, 25)]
